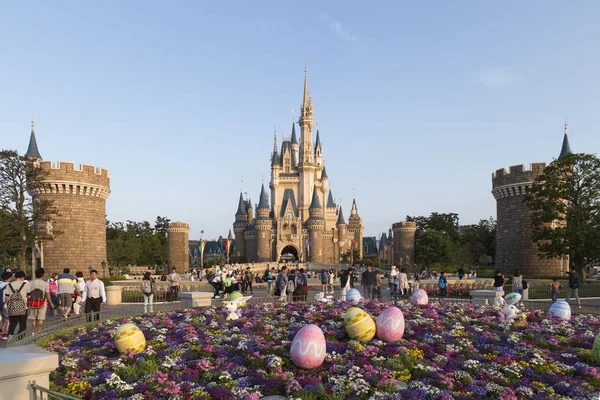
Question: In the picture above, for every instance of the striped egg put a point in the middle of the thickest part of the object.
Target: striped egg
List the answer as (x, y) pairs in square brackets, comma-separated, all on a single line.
[(390, 325), (560, 309), (130, 337), (419, 297), (359, 324), (308, 347), (353, 295), (597, 348)]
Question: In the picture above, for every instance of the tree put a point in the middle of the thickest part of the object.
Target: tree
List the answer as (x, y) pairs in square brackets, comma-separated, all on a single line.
[(565, 210), (27, 219)]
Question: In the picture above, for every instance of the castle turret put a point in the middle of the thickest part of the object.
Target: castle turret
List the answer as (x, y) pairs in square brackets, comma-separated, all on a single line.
[(306, 124), (564, 150), (178, 242), (249, 211), (324, 181), (240, 224), (263, 225), (32, 150), (404, 243), (315, 226), (342, 227), (295, 149), (318, 151), (355, 227)]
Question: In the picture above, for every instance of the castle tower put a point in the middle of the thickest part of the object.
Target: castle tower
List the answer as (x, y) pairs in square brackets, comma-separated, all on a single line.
[(295, 150), (264, 225), (404, 243), (318, 151), (250, 239), (79, 196), (315, 225), (240, 224), (356, 228), (330, 213), (33, 153), (179, 251), (342, 231), (306, 123)]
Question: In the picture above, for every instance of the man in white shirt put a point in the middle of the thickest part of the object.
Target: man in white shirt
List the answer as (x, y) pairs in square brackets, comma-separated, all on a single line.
[(174, 288), (94, 294)]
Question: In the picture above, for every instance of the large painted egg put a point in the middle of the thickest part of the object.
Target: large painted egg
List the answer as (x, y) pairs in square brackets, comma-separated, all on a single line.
[(308, 347), (561, 309), (353, 295), (359, 324), (390, 325), (419, 297), (597, 348), (130, 337), (512, 298), (237, 295)]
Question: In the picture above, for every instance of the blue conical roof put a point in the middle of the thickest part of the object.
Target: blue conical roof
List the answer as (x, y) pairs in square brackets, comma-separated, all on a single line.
[(315, 203), (32, 149), (330, 202), (241, 206), (566, 148), (263, 203), (294, 139), (341, 220), (324, 173)]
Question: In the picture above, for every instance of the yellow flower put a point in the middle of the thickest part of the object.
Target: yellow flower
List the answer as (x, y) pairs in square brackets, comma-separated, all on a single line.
[(418, 354)]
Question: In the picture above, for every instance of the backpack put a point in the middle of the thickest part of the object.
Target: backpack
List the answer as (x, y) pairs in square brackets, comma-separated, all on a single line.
[(52, 287), (148, 291), (524, 284), (16, 304), (35, 298)]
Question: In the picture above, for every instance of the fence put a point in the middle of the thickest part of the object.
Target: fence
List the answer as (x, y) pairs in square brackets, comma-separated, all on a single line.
[(52, 326), (37, 392)]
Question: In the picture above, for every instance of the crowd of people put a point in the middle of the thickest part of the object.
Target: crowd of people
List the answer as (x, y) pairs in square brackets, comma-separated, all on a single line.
[(24, 299)]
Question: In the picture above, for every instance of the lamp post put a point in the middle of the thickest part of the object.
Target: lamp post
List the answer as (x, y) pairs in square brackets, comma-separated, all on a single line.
[(201, 250)]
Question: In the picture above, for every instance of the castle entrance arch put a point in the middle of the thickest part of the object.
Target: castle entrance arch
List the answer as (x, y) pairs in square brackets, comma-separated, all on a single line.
[(289, 253)]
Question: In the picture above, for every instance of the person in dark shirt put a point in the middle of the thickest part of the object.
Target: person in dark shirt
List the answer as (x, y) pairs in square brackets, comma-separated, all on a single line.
[(498, 282), (573, 287), (368, 282)]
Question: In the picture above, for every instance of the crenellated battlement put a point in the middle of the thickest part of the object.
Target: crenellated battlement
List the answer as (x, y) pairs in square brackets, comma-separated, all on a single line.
[(67, 172), (517, 174), (404, 226)]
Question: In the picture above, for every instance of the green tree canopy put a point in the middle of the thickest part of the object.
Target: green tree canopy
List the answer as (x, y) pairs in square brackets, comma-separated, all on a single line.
[(565, 206)]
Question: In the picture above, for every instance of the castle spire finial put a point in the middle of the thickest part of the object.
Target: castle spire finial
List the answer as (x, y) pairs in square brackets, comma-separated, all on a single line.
[(306, 97), (293, 117), (32, 124), (566, 126), (275, 140)]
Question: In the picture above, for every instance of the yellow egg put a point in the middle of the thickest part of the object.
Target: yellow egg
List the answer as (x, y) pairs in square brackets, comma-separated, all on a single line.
[(130, 337), (359, 324)]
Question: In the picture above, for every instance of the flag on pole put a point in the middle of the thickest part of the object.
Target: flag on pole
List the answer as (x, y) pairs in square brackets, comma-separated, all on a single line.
[(201, 244), (307, 246), (352, 245), (226, 244)]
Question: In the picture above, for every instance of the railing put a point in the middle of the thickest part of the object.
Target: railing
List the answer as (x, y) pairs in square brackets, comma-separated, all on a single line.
[(41, 393), (52, 326)]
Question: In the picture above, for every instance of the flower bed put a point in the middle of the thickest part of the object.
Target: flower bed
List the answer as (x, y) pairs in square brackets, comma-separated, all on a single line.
[(448, 351)]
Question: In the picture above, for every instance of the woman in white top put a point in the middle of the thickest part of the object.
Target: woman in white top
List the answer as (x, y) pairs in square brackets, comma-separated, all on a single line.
[(517, 281), (331, 280), (403, 282), (394, 281), (79, 286)]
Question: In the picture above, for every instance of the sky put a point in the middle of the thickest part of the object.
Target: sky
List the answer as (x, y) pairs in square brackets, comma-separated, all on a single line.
[(417, 102)]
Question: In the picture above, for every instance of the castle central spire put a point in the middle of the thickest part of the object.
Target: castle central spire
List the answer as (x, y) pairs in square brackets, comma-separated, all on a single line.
[(306, 124)]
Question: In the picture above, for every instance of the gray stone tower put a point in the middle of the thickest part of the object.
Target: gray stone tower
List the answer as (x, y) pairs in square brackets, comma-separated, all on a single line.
[(240, 224), (179, 250), (264, 225), (404, 243), (315, 225)]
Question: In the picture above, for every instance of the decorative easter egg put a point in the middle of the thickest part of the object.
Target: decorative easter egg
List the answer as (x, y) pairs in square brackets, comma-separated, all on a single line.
[(560, 309), (597, 348), (419, 297), (308, 347), (512, 298), (390, 325), (359, 324), (237, 295), (130, 337), (353, 295)]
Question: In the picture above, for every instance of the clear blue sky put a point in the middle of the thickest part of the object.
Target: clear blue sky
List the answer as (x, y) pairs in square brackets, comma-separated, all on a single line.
[(417, 102)]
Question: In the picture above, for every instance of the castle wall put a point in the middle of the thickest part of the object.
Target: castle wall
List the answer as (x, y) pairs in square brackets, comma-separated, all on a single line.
[(79, 196), (404, 243), (263, 236), (514, 246), (251, 246), (316, 246), (240, 243), (179, 252)]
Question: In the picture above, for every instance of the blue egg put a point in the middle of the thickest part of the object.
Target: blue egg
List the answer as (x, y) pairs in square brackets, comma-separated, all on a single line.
[(353, 295)]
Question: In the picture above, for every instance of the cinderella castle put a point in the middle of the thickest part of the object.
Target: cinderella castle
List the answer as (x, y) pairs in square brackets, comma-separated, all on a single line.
[(301, 219)]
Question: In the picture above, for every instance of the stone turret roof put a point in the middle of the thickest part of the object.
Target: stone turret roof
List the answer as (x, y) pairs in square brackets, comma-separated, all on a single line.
[(288, 198), (341, 220), (315, 203), (241, 206), (263, 203), (566, 148), (330, 202), (275, 159), (318, 141), (324, 174), (32, 149), (294, 139)]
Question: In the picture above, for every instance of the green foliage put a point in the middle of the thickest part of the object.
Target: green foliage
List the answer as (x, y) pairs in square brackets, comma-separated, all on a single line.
[(136, 243), (565, 206), (142, 367), (107, 281)]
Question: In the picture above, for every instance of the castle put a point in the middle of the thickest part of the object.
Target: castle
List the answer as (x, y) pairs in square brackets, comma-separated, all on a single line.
[(79, 195), (302, 219), (514, 247)]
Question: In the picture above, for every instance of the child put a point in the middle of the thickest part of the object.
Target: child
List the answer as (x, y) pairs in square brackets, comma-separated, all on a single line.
[(555, 286), (442, 284)]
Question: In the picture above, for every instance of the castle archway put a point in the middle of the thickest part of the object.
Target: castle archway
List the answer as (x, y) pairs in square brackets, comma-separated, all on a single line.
[(289, 253)]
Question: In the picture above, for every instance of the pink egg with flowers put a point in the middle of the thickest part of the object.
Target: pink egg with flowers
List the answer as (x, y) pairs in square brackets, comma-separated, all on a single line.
[(390, 325), (419, 297), (308, 347)]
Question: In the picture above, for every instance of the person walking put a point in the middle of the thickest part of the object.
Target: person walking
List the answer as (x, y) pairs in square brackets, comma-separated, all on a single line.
[(281, 285), (79, 286), (268, 277), (324, 281), (368, 282), (347, 282), (174, 279), (498, 282), (66, 288), (442, 281), (330, 280), (403, 282), (94, 294), (377, 287), (6, 278), (302, 285), (573, 288), (53, 287), (249, 279), (148, 292), (38, 300), (555, 286), (517, 281), (16, 303)]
